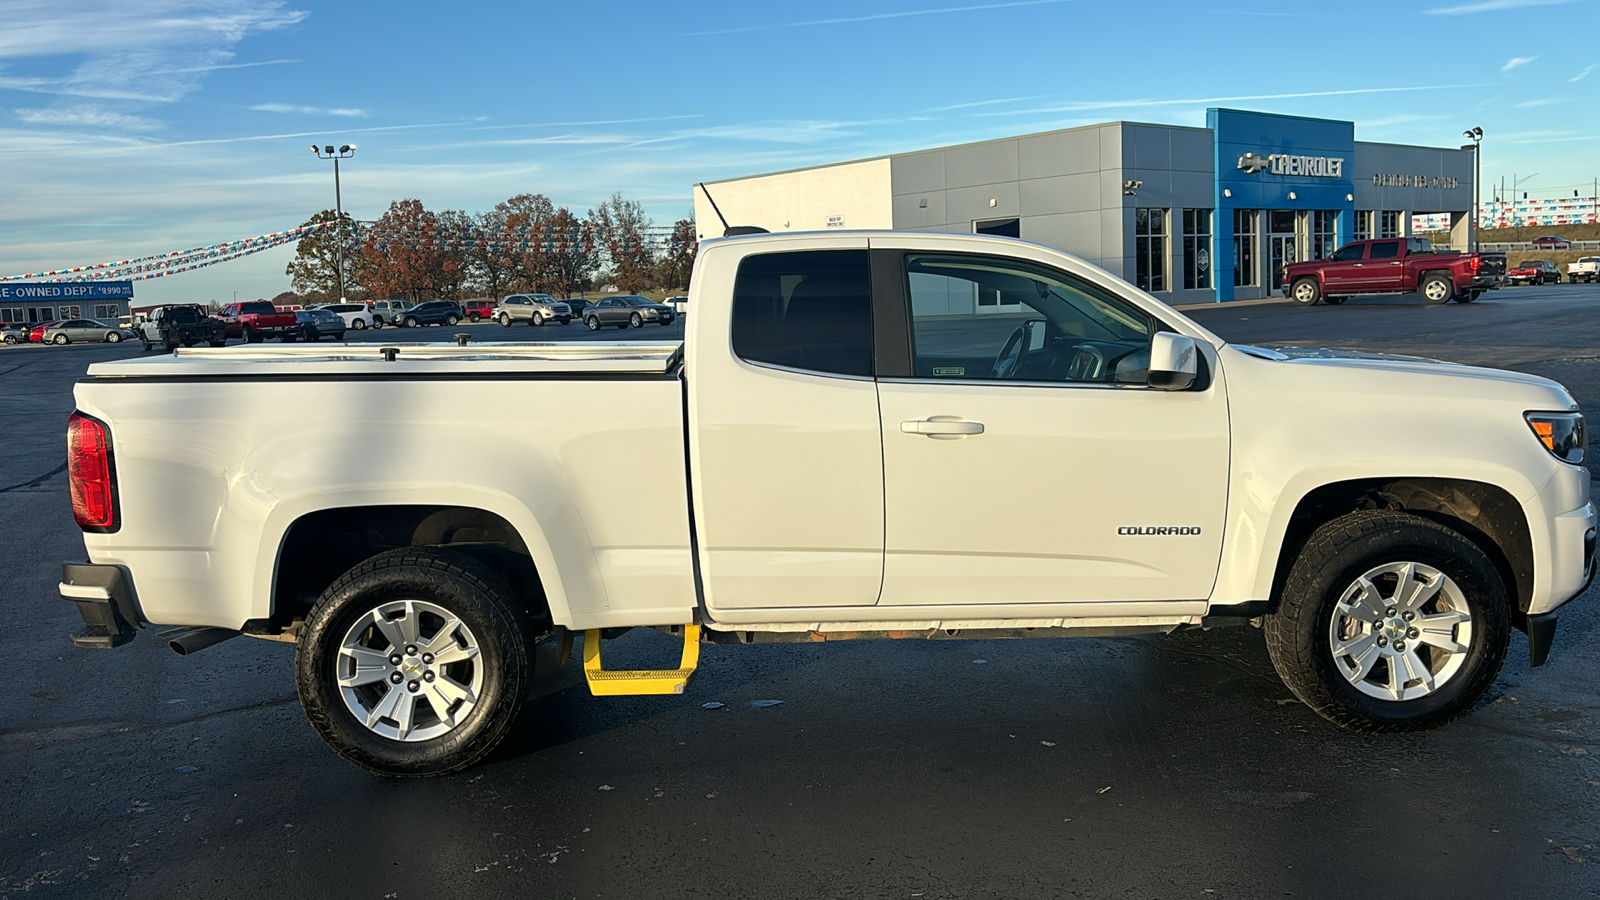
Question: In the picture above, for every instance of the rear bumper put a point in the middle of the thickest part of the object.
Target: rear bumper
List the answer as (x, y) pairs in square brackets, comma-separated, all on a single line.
[(105, 599)]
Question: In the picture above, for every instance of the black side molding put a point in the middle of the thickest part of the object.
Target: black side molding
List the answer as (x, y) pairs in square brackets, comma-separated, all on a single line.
[(105, 601)]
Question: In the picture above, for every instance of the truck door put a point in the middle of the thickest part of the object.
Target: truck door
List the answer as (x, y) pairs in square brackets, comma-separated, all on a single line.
[(1345, 270), (1385, 269), (1026, 461), (786, 453)]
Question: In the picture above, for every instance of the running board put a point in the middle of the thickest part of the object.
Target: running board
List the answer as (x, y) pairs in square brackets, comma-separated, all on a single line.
[(636, 682)]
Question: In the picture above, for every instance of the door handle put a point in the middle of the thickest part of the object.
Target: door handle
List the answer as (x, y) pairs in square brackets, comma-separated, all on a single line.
[(941, 426)]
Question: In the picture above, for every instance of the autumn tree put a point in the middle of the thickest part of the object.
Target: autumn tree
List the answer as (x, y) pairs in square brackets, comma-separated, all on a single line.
[(456, 232), (573, 259), (314, 271), (490, 261), (405, 256), (624, 231), (676, 261)]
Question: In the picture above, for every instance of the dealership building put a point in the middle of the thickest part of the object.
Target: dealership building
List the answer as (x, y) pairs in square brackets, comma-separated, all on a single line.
[(1188, 214), (31, 303)]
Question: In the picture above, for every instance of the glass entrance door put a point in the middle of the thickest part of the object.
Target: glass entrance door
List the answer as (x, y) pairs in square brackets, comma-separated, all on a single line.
[(1282, 242)]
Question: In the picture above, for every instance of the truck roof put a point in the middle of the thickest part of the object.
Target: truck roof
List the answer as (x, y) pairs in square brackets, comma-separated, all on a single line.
[(336, 361)]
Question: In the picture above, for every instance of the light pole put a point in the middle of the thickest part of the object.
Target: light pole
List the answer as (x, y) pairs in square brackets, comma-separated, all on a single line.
[(1475, 134), (337, 153)]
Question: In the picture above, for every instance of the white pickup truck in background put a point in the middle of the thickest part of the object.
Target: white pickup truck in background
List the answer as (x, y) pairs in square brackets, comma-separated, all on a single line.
[(1586, 269), (864, 434)]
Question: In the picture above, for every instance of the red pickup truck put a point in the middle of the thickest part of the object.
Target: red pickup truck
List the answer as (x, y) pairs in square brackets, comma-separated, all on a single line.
[(1394, 266), (259, 320)]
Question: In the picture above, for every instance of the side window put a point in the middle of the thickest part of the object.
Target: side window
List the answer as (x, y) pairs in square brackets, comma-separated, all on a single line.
[(805, 310), (1351, 253), (1068, 330), (1385, 250)]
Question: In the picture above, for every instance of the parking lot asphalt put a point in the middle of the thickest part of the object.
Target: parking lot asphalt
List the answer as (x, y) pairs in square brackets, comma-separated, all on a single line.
[(1174, 766)]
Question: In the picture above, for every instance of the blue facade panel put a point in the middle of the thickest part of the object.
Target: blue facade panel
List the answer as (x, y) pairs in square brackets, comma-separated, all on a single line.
[(1261, 159)]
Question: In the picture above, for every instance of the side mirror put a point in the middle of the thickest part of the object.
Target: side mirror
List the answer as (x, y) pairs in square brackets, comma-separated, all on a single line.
[(1174, 361)]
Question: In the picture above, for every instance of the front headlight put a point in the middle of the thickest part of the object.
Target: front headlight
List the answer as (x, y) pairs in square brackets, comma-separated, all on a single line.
[(1561, 433)]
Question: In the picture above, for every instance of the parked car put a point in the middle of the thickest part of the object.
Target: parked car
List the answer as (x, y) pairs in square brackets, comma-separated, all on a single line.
[(577, 305), (1143, 476), (180, 323), (356, 316), (258, 320), (36, 333), (477, 310), (389, 312), (433, 312), (1534, 271), (14, 332), (627, 310), (535, 309), (1394, 266), (680, 305), (1586, 270), (82, 331), (316, 324), (1552, 242)]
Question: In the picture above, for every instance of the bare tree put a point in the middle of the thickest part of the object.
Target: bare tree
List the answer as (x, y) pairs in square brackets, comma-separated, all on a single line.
[(623, 229)]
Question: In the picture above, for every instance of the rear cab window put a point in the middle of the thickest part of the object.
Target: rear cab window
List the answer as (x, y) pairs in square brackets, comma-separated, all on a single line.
[(1384, 250), (809, 310)]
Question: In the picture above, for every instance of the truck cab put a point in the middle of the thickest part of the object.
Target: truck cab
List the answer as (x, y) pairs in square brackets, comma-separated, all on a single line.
[(1390, 266)]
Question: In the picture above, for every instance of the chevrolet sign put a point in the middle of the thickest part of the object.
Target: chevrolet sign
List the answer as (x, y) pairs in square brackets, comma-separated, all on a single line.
[(1289, 164)]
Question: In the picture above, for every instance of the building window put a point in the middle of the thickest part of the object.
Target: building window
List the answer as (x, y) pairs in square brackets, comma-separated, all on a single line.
[(1196, 249), (1324, 233), (1363, 225), (107, 311), (1390, 225), (1001, 227), (71, 312), (1150, 249), (13, 314), (1244, 248)]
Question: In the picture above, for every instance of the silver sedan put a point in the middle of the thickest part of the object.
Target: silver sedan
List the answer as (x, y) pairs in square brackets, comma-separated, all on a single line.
[(82, 331)]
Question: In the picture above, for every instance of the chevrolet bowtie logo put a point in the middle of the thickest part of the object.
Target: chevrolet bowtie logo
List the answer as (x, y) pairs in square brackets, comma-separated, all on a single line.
[(1252, 163)]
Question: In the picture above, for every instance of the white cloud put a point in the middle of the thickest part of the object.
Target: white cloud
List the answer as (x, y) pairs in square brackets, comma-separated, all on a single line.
[(1088, 105), (981, 103), (1468, 9), (845, 20), (1529, 104), (87, 117), (310, 110), (1581, 75), (1517, 62), (151, 51)]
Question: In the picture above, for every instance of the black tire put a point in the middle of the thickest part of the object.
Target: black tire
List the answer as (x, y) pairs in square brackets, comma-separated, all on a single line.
[(1305, 291), (564, 321), (221, 343), (147, 345), (250, 337), (188, 343), (171, 345), (505, 321), (113, 337), (636, 320), (593, 323), (60, 339), (469, 590), (473, 317), (1334, 301), (377, 321), (1436, 289), (410, 322), (1468, 296), (1340, 552)]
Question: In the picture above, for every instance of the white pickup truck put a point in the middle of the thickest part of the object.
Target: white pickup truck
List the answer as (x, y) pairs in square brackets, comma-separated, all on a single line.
[(864, 435), (1585, 269)]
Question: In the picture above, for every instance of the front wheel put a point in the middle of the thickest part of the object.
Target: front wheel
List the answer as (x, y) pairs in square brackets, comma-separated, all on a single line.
[(505, 321), (359, 324), (636, 320), (410, 322), (147, 345), (1437, 289), (1389, 622), (537, 320), (415, 662), (593, 323), (1305, 291)]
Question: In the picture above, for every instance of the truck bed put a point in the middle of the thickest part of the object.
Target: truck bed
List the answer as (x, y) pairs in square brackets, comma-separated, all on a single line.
[(579, 447)]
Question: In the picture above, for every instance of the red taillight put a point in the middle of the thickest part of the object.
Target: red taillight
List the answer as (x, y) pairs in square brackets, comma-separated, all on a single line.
[(94, 502), (1476, 262)]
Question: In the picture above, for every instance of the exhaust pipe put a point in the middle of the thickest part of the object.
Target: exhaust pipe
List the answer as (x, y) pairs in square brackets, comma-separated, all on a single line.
[(199, 639)]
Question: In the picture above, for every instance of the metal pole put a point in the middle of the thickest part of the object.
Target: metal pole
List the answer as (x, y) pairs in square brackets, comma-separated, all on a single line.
[(338, 227), (1477, 177)]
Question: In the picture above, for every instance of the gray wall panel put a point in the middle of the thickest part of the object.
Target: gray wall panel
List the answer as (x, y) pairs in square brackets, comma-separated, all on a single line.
[(1064, 153), (1077, 233), (964, 205), (1193, 150), (1062, 194), (979, 164), (916, 172), (1111, 149), (1152, 146)]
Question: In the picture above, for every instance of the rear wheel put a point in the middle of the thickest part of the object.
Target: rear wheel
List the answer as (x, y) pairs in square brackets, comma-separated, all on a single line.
[(473, 317), (1334, 301), (223, 342), (415, 662), (1305, 291), (1389, 622), (146, 344), (113, 337), (593, 323), (60, 339), (1468, 296), (359, 324), (1437, 289)]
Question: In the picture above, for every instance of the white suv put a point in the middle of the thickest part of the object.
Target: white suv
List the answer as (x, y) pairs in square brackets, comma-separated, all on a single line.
[(356, 316), (535, 309)]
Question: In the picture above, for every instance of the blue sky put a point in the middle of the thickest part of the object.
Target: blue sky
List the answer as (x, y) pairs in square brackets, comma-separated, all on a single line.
[(132, 127)]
